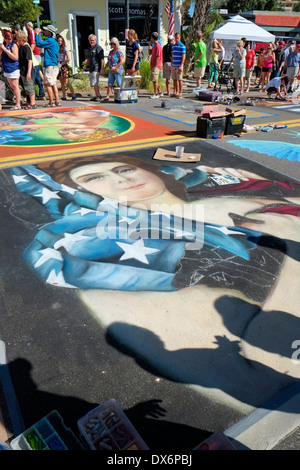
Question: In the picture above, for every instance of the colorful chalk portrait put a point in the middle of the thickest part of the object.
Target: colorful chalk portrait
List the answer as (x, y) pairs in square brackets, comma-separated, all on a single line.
[(61, 127), (141, 274)]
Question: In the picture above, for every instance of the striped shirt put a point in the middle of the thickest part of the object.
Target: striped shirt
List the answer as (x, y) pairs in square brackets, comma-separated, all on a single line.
[(178, 49)]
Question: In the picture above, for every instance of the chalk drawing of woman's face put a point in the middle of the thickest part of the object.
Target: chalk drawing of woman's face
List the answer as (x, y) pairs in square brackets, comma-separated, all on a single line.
[(117, 180)]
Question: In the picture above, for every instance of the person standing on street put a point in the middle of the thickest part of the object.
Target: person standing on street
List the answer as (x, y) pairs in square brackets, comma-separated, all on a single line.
[(250, 59), (37, 54), (199, 59), (279, 59), (64, 72), (95, 62), (51, 50), (155, 52), (239, 67), (178, 59), (292, 66), (132, 53), (167, 59), (9, 56), (26, 68)]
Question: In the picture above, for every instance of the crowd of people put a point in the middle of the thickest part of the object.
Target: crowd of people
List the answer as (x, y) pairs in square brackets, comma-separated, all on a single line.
[(20, 55), (279, 60)]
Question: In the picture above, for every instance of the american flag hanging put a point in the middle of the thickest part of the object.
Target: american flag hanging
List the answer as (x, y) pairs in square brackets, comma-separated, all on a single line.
[(169, 9)]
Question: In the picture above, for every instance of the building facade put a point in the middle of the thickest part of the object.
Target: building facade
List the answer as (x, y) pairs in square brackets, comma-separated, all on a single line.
[(76, 19), (279, 23)]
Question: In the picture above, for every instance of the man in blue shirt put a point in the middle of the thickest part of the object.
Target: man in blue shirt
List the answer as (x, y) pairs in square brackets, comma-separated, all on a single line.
[(51, 50), (292, 66), (178, 58)]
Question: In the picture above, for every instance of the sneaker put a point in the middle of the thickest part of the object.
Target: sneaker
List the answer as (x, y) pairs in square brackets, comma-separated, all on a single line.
[(74, 98), (64, 99), (152, 97), (96, 98)]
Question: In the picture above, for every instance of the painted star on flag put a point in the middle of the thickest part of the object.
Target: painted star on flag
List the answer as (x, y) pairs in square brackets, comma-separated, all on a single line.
[(38, 177), (136, 251), (69, 240), (83, 211), (178, 233), (68, 189), (48, 253), (20, 179), (58, 280), (110, 202), (226, 231), (47, 195)]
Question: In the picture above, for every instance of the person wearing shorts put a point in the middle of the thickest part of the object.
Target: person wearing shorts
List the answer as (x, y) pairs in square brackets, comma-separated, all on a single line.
[(199, 59), (155, 51), (178, 59), (26, 68), (278, 85), (239, 68), (9, 54), (51, 51), (292, 66), (95, 62), (167, 59)]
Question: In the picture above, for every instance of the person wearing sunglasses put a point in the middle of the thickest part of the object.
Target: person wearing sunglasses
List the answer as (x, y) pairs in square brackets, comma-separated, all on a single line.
[(115, 62), (267, 66)]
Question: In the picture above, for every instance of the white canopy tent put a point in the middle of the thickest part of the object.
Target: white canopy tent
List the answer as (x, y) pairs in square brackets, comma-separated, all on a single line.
[(238, 27)]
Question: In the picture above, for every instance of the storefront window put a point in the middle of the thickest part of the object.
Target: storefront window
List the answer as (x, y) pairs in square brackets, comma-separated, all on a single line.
[(143, 18), (46, 10)]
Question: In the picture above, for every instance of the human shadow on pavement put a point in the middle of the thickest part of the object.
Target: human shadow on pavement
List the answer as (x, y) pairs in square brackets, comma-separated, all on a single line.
[(272, 331), (223, 367), (146, 417)]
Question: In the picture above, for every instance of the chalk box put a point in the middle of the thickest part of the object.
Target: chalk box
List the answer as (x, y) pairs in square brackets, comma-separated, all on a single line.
[(50, 433), (106, 427)]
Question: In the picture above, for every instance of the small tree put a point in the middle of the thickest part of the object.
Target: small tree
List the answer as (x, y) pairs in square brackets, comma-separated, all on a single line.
[(19, 11)]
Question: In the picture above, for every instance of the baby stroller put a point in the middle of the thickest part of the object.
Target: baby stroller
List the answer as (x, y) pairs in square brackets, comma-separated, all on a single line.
[(225, 78)]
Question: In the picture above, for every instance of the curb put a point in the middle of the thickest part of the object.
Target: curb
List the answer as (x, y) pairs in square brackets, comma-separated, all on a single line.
[(268, 425)]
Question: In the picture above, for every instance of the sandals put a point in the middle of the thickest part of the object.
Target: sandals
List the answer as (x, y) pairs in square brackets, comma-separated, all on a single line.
[(105, 100), (15, 108), (52, 105), (30, 106)]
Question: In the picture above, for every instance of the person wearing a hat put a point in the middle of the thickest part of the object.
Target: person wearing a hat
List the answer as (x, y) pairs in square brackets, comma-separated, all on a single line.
[(51, 51), (199, 59), (167, 59), (37, 55), (155, 63)]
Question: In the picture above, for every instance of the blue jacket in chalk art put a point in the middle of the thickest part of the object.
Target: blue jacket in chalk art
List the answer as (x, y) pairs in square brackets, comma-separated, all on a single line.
[(87, 244)]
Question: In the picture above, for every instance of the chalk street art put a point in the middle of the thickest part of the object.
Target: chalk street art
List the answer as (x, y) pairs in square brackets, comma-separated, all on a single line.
[(42, 132), (198, 300), (278, 149)]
